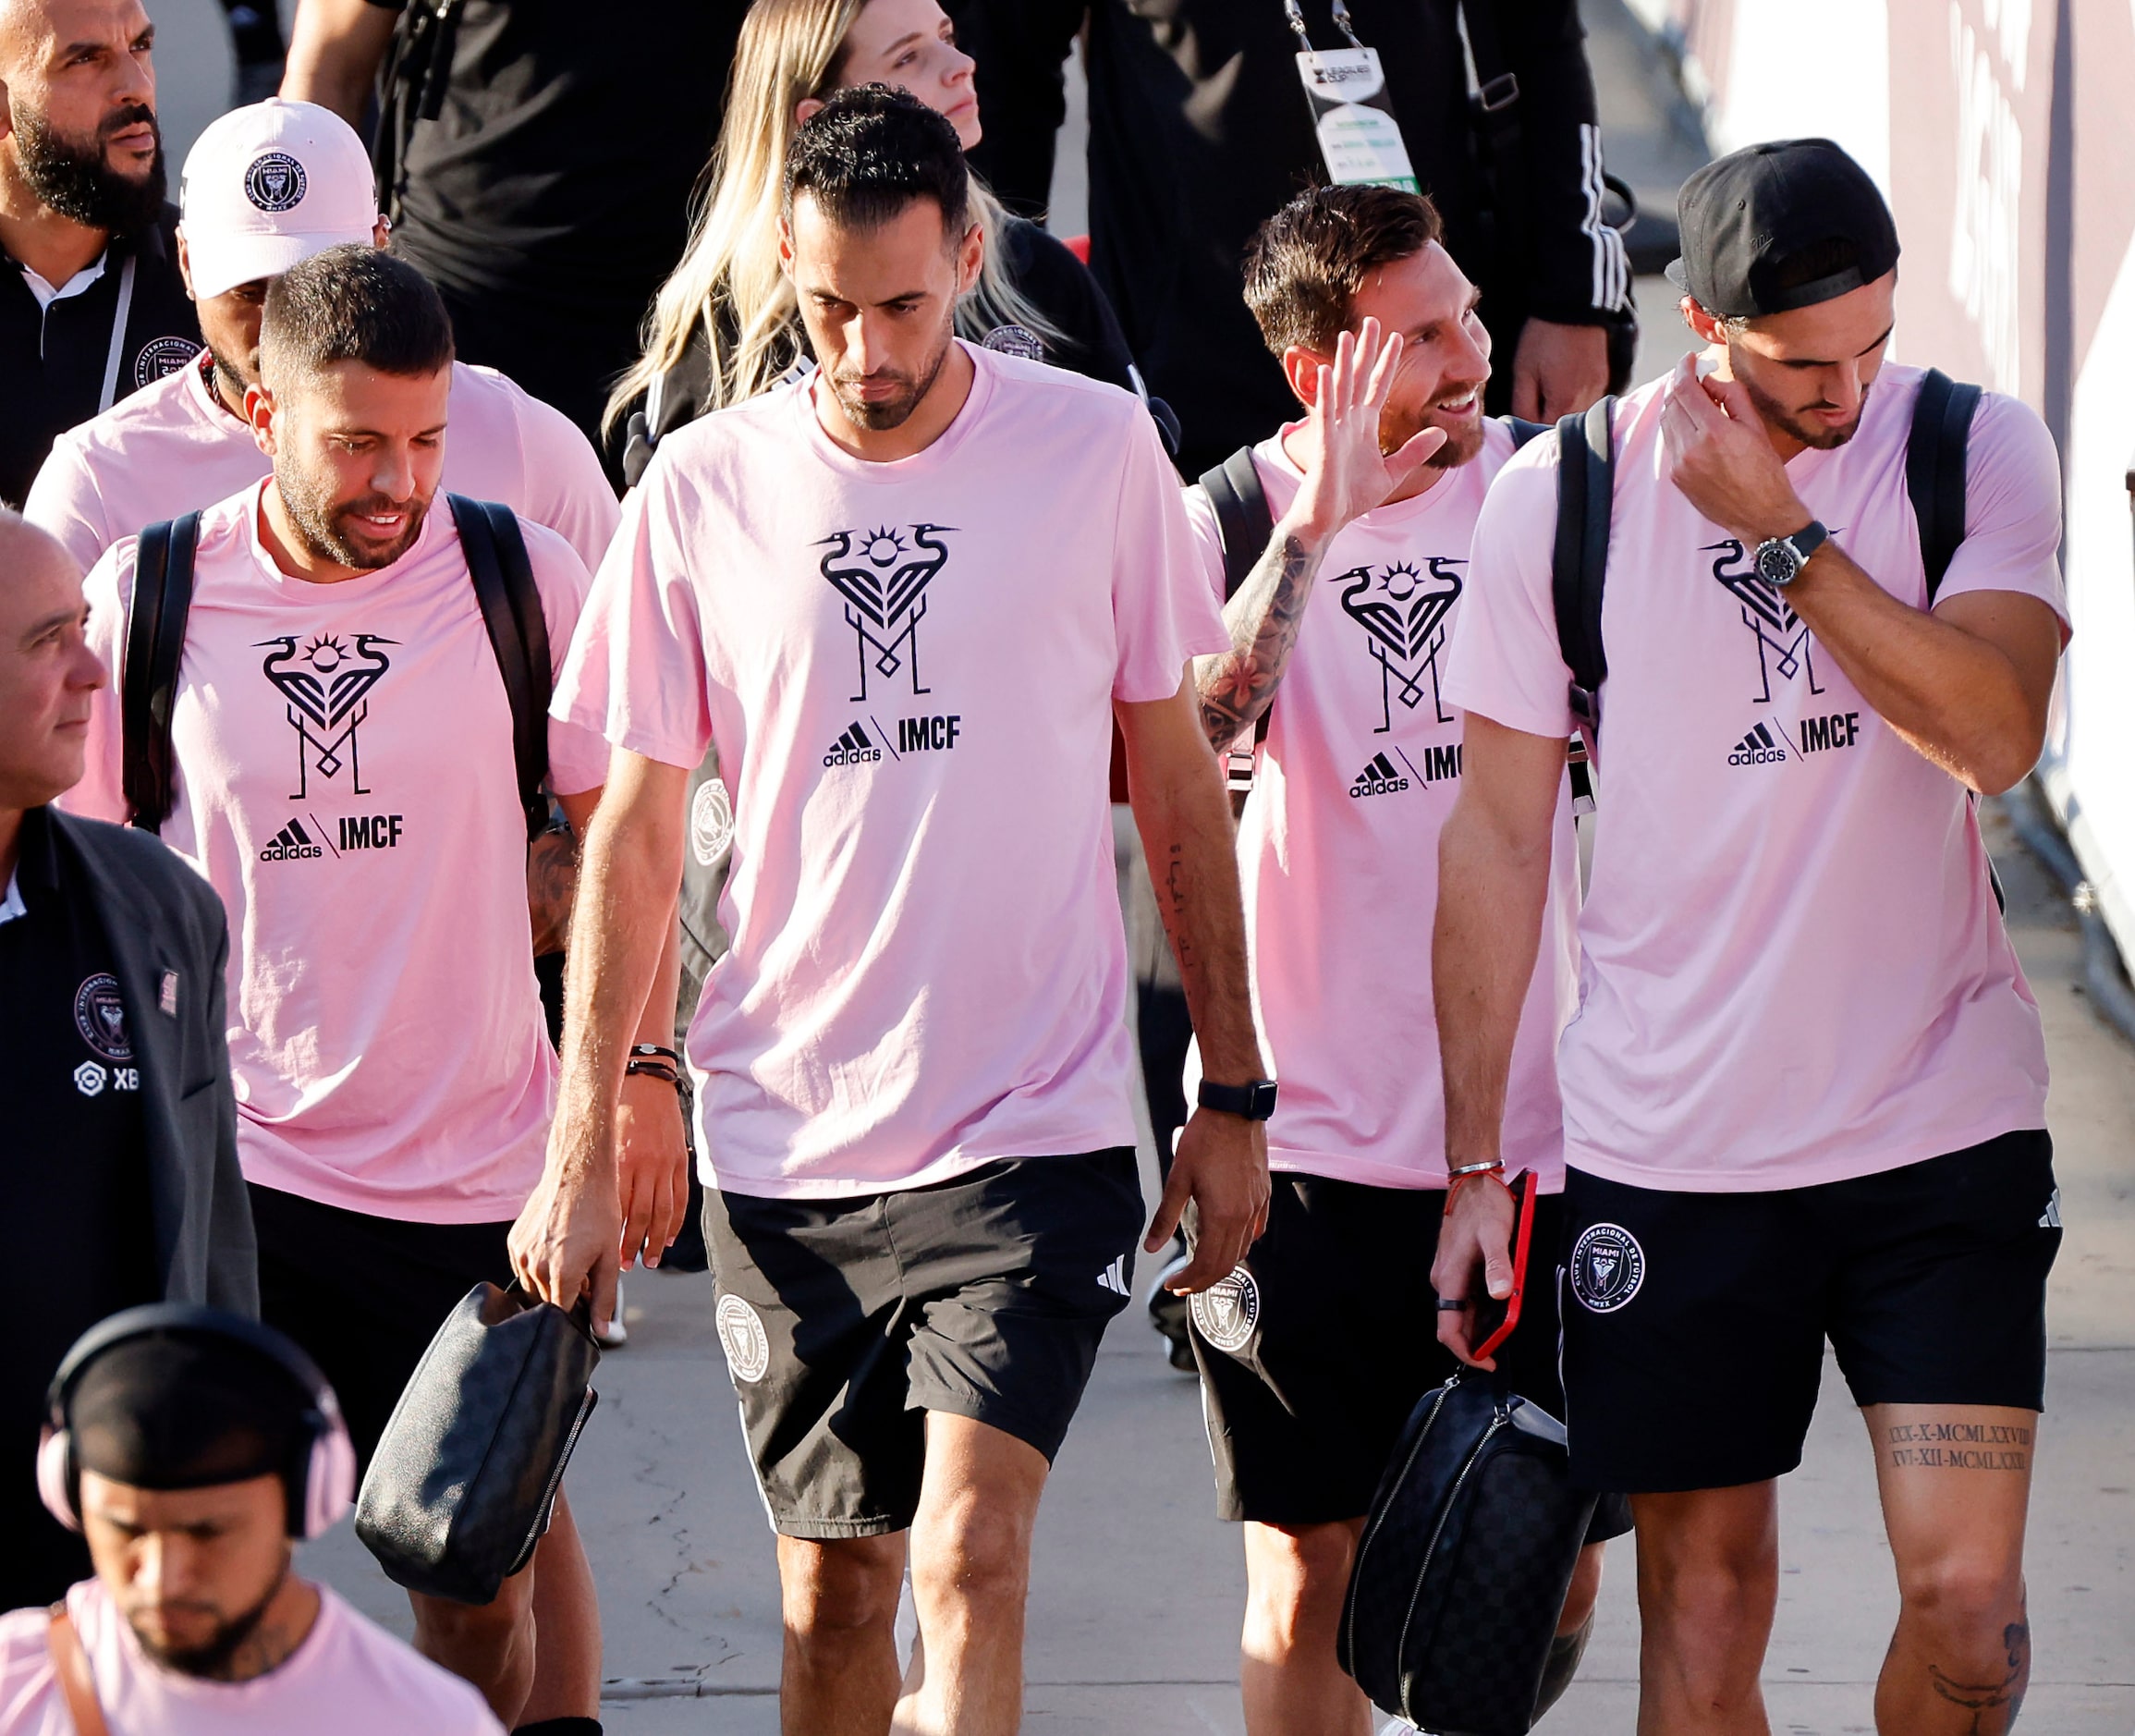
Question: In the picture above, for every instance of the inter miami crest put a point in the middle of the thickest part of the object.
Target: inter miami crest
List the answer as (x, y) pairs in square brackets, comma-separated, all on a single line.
[(1403, 610), (1606, 1267), (883, 574), (1783, 641), (275, 182), (327, 685)]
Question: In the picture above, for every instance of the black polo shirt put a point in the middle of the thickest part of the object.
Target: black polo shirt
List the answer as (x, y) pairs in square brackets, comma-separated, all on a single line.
[(54, 361), (76, 1237)]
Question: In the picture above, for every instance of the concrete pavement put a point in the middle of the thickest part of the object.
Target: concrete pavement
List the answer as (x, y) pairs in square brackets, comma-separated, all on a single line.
[(1138, 1587)]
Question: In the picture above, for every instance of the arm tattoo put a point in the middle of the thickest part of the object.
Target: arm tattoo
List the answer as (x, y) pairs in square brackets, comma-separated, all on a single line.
[(1236, 687), (551, 882)]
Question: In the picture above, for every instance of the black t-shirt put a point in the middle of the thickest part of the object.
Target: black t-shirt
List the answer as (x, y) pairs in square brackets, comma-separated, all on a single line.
[(77, 1233), (551, 191), (1199, 131), (55, 359)]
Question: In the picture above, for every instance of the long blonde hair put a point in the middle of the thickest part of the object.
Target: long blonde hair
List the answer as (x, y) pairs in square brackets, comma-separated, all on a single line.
[(788, 52)]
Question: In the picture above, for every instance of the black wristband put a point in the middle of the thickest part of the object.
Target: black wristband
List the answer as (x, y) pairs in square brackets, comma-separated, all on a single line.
[(653, 1069), (1255, 1099), (653, 1051)]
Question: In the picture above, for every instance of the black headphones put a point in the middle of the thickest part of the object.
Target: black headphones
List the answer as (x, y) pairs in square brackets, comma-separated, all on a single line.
[(320, 1478)]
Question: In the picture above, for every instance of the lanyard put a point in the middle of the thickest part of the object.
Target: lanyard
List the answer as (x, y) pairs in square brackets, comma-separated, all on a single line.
[(117, 351), (1352, 116), (1343, 22)]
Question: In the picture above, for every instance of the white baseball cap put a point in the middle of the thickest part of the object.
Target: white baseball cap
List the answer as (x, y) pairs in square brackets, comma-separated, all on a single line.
[(268, 184)]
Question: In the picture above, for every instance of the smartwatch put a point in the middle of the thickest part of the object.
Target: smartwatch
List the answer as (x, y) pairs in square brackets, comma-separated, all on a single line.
[(1255, 1099), (1781, 558)]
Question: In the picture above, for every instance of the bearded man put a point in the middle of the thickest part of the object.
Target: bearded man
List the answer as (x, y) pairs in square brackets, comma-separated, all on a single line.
[(92, 305), (342, 770)]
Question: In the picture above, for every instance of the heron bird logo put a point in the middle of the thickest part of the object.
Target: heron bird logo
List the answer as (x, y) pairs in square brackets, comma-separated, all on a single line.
[(883, 578), (1783, 641), (327, 685), (1402, 609)]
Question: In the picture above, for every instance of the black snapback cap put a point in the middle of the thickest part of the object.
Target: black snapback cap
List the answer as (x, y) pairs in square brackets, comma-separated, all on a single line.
[(1744, 217)]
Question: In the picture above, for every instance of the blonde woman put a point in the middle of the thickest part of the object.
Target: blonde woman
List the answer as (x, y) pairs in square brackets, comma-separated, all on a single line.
[(723, 326)]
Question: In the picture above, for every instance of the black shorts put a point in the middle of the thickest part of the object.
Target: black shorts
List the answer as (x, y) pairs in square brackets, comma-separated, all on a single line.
[(844, 1321), (1315, 1350), (1694, 1323), (365, 1295)]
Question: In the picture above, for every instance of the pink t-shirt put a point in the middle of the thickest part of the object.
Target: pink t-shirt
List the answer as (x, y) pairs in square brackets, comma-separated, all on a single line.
[(345, 782), (175, 445), (1338, 851), (1794, 971), (348, 1677), (909, 668)]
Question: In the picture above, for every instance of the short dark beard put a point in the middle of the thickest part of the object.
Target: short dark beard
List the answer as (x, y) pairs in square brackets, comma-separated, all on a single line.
[(233, 385), (74, 178), (212, 1661), (881, 418), (317, 522), (1776, 415)]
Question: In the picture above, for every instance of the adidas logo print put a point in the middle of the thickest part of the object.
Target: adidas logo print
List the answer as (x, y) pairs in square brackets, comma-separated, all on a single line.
[(1379, 778), (852, 748), (1113, 1277), (2051, 1218), (1757, 748), (291, 844)]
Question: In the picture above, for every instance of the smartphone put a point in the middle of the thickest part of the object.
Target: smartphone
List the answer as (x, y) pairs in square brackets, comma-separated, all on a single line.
[(1493, 1318)]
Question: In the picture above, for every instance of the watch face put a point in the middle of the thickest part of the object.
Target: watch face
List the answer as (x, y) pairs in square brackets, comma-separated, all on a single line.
[(1777, 563)]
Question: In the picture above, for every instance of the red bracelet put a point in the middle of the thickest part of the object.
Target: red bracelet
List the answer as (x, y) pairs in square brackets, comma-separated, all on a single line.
[(1497, 1176)]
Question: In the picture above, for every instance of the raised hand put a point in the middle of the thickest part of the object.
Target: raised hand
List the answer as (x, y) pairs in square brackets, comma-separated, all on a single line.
[(1346, 473)]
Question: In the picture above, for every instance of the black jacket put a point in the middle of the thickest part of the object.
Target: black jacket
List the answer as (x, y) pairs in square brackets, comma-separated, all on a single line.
[(54, 360), (1199, 130), (162, 920)]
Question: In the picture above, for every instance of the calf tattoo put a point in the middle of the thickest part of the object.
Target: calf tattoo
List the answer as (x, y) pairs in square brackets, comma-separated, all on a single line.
[(1984, 1700), (1960, 1446)]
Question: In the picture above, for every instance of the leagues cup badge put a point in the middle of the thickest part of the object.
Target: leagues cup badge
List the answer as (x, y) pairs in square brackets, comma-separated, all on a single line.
[(1607, 1267), (742, 1337), (1228, 1311)]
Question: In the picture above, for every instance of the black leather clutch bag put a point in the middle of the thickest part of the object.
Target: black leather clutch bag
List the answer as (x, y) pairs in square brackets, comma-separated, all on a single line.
[(1464, 1562), (462, 1485)]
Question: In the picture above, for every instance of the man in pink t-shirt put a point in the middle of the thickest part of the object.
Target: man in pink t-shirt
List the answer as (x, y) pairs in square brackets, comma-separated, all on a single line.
[(192, 1448), (265, 187), (1804, 1094), (345, 776), (1313, 1353), (906, 596)]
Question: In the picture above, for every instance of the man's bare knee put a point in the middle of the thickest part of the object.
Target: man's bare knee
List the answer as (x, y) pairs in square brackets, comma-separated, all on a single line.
[(973, 1552), (1297, 1575), (1965, 1604), (834, 1590)]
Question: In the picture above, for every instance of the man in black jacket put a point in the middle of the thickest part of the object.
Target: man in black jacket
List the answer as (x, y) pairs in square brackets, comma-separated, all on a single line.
[(118, 1157), (92, 303), (1199, 129)]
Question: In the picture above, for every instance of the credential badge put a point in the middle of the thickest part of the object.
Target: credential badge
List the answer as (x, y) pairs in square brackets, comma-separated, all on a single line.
[(1607, 1267), (742, 1337), (1229, 1310)]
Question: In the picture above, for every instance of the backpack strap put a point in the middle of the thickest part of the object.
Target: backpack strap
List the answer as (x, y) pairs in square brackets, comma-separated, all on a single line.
[(518, 635), (1934, 469), (155, 641), (1578, 566), (1523, 431), (1243, 519)]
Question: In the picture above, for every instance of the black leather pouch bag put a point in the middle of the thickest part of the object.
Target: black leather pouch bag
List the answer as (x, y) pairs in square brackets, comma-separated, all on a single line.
[(462, 1485), (1464, 1562)]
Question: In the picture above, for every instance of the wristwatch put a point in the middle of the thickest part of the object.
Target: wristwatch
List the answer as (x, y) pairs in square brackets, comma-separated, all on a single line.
[(1255, 1099), (1781, 558)]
